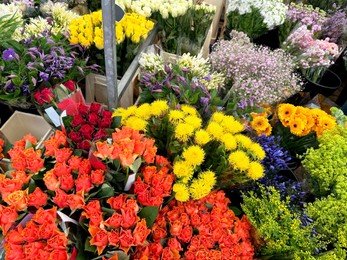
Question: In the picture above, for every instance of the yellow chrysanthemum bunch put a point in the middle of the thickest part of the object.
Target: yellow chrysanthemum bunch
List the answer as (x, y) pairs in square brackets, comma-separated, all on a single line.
[(87, 30), (260, 123), (195, 168), (303, 121)]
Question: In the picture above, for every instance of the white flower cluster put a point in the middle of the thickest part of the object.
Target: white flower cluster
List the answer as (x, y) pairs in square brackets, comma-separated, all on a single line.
[(164, 7), (273, 11), (11, 9), (198, 66), (207, 8), (150, 62)]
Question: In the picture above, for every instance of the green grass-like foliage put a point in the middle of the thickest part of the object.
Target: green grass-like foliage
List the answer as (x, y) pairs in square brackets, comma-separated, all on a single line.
[(278, 226)]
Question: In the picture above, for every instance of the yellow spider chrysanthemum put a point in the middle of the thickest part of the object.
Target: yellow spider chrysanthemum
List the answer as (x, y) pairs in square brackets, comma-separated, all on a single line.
[(229, 141), (136, 123), (158, 107), (181, 192), (259, 123), (202, 137), (199, 189), (257, 150), (208, 177), (255, 171), (239, 160), (217, 117), (182, 169), (194, 155), (215, 130), (243, 140), (194, 121), (143, 111), (285, 111), (183, 131), (176, 116), (230, 125), (189, 110)]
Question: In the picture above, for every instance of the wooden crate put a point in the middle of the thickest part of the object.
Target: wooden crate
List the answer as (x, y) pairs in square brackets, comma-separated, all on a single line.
[(220, 13), (96, 90), (204, 52)]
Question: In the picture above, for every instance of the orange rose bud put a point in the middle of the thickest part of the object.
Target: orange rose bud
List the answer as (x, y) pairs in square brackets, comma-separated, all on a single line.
[(63, 154), (31, 232), (21, 175), (33, 249), (140, 232), (83, 183), (117, 202), (113, 237), (18, 199), (99, 238), (114, 221), (51, 180), (74, 162), (158, 233), (38, 198), (126, 240), (67, 182), (61, 169), (76, 201), (61, 199), (129, 217), (93, 212), (46, 230), (148, 172), (97, 177)]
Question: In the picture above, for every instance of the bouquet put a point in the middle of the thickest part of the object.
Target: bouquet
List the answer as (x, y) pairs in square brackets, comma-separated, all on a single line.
[(183, 25), (257, 73), (255, 17), (130, 32), (51, 102), (312, 56)]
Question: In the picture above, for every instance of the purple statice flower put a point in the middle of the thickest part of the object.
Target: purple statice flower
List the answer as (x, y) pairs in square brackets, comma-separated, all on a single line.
[(25, 89), (43, 76), (334, 26), (9, 86), (57, 63), (9, 54)]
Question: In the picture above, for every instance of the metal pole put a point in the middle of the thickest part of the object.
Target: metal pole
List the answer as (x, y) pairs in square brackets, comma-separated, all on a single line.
[(110, 50)]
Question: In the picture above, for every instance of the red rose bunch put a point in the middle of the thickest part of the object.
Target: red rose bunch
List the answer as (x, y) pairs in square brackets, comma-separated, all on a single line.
[(155, 183), (121, 230), (88, 125), (40, 238), (128, 145), (2, 143), (199, 229)]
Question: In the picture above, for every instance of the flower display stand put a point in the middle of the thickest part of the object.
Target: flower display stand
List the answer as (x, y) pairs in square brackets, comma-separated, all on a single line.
[(21, 124)]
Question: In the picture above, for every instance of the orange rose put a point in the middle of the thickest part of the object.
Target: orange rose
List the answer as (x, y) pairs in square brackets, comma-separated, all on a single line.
[(207, 241), (156, 249), (21, 175), (14, 251), (158, 233), (32, 250), (58, 241), (140, 233), (149, 154), (93, 212), (173, 215), (84, 183), (162, 161), (18, 199), (63, 154), (218, 233), (58, 254), (45, 216), (169, 254), (132, 204), (195, 220), (14, 236), (148, 172), (38, 198), (97, 177), (176, 228), (31, 232), (51, 146), (186, 234), (99, 238), (46, 230), (67, 182), (103, 150), (113, 237), (61, 169), (76, 201), (61, 199), (74, 162), (51, 180), (114, 221), (129, 217), (8, 186), (117, 202), (84, 167), (35, 164), (139, 147), (190, 207), (174, 244), (126, 240)]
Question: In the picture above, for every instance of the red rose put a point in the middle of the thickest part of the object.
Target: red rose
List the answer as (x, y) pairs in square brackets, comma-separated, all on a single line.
[(45, 96), (38, 198), (126, 240), (93, 119), (87, 131), (84, 145), (96, 163), (95, 107), (77, 121), (106, 114), (105, 122), (97, 177), (101, 134), (75, 137), (83, 109), (71, 85)]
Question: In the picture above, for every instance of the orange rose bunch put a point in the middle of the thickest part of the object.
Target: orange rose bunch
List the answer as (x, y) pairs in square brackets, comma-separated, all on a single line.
[(24, 157), (121, 230), (40, 238), (127, 146), (155, 184), (2, 143), (218, 233)]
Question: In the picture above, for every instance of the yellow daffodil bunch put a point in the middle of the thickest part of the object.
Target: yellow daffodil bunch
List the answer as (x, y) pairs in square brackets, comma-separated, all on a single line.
[(87, 30), (303, 121), (204, 154)]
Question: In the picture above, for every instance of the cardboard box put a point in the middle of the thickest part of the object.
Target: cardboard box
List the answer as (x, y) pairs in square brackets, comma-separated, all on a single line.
[(21, 124)]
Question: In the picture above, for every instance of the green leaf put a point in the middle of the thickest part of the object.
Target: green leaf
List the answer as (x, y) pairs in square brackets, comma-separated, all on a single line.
[(108, 210), (236, 210), (136, 165), (67, 121), (78, 152), (88, 247), (106, 191), (116, 122), (149, 214)]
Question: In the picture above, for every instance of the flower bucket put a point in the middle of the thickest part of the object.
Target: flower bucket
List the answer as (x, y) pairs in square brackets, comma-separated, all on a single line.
[(326, 86)]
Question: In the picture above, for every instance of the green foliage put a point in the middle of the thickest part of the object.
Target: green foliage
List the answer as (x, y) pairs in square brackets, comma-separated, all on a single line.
[(326, 5), (327, 163), (280, 228), (330, 219), (8, 24)]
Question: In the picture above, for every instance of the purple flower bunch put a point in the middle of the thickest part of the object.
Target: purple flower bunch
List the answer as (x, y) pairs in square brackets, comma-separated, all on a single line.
[(334, 27), (256, 72)]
